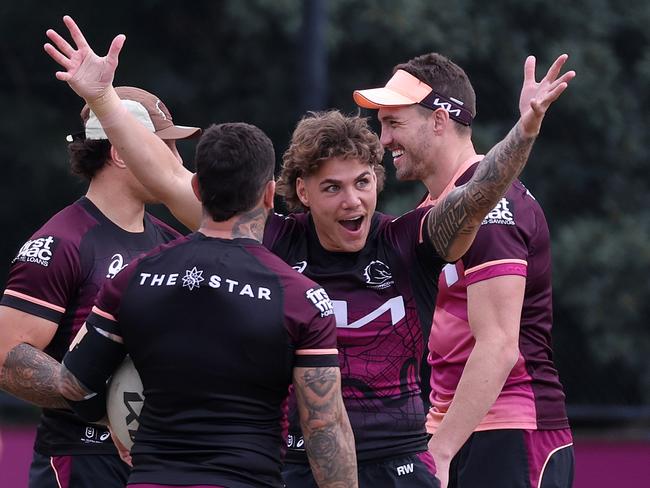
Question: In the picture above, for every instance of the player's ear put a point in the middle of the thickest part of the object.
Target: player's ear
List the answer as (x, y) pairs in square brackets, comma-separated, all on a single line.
[(116, 158), (195, 187), (269, 194), (440, 119), (301, 191)]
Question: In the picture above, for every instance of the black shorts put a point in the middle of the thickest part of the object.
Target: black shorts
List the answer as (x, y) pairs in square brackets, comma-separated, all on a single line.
[(514, 458), (414, 471), (89, 470)]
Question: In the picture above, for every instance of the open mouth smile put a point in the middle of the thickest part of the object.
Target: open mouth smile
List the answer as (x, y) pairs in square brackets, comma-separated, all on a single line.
[(353, 224)]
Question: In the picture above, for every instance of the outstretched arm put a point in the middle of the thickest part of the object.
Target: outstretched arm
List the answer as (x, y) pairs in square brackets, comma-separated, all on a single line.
[(325, 426), (453, 223), (148, 157)]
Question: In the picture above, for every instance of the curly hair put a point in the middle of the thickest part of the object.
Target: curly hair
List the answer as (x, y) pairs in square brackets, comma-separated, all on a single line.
[(320, 136)]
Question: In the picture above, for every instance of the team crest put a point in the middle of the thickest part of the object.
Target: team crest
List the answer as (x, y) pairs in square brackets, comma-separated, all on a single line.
[(378, 275)]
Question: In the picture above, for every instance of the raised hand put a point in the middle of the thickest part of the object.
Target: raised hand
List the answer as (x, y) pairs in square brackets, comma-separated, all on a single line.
[(88, 74), (536, 97)]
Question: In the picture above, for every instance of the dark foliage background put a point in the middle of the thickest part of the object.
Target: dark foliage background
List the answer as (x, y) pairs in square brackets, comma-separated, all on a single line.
[(215, 61)]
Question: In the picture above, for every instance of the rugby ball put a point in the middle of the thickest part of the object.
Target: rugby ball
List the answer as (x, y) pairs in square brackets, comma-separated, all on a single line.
[(124, 402)]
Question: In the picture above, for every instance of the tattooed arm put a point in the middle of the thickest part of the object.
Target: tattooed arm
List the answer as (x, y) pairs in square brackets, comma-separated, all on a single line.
[(453, 223), (25, 370), (325, 426)]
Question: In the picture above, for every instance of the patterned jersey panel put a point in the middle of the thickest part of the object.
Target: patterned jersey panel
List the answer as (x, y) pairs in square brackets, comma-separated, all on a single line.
[(378, 317)]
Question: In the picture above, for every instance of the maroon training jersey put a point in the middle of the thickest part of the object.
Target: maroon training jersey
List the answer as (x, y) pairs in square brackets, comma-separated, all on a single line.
[(215, 328), (383, 298), (513, 240), (56, 275)]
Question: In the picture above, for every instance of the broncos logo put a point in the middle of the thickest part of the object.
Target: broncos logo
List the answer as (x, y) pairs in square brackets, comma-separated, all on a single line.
[(378, 274)]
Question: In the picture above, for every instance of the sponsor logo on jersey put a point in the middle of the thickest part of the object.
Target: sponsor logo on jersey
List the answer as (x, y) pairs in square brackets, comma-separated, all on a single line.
[(117, 265), (378, 275), (450, 273), (501, 214), (394, 305), (92, 435), (318, 297), (194, 277), (38, 251), (300, 266)]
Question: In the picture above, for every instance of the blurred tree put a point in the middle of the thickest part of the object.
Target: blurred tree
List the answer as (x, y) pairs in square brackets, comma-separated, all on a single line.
[(214, 61)]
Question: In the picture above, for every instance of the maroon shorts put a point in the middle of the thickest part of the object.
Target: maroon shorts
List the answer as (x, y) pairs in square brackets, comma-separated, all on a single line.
[(78, 471), (411, 471)]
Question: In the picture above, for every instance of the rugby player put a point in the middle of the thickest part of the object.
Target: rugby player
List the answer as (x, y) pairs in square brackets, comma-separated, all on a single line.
[(52, 285)]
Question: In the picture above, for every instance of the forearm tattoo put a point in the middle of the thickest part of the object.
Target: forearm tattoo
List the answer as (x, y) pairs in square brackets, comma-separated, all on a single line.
[(250, 224), (329, 441), (31, 375), (462, 210)]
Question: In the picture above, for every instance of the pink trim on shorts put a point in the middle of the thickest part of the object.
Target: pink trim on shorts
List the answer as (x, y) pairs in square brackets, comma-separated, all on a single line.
[(540, 446), (62, 467), (428, 461)]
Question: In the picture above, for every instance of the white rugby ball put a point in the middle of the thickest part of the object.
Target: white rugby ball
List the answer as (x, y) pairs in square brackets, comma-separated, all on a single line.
[(124, 402)]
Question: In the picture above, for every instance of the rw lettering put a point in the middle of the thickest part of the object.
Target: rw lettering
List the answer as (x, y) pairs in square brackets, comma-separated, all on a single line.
[(405, 469)]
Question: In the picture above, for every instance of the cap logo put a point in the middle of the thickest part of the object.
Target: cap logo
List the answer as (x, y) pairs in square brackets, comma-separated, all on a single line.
[(452, 106), (446, 106), (162, 114)]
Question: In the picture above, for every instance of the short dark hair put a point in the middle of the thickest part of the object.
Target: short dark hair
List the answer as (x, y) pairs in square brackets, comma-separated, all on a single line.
[(88, 156), (443, 76), (234, 162), (320, 136)]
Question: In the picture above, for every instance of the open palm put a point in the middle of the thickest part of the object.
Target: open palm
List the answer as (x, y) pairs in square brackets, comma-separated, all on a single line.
[(88, 74), (536, 96)]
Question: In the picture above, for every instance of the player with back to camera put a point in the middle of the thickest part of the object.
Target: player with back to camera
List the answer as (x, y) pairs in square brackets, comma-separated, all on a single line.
[(214, 408), (52, 284), (380, 272)]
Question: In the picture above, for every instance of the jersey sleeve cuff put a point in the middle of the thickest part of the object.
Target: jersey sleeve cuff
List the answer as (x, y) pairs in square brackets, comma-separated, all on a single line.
[(32, 306), (493, 269), (314, 358)]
